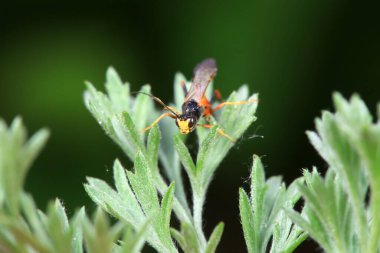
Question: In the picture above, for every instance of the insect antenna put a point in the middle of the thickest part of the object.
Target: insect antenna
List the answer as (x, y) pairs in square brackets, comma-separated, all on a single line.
[(176, 114)]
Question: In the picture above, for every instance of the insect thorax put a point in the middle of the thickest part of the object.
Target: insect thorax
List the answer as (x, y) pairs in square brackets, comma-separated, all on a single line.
[(191, 109)]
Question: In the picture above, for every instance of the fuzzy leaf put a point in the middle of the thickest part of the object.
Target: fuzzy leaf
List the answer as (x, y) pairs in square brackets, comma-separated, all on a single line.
[(190, 239), (247, 220), (153, 145), (124, 190), (166, 207), (263, 216), (143, 105), (16, 156), (134, 243), (143, 187), (215, 237), (185, 156), (337, 214), (117, 91), (76, 224), (108, 199)]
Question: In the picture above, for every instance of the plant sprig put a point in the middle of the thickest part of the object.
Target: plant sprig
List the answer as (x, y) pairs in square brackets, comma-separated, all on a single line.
[(341, 210), (265, 224), (123, 117), (24, 228), (337, 216)]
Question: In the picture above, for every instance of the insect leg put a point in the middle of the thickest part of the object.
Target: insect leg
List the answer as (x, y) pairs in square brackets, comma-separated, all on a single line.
[(183, 85), (219, 106), (158, 120), (220, 131), (216, 96), (172, 109)]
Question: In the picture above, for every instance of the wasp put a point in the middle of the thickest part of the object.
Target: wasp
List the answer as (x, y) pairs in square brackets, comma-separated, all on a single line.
[(196, 104)]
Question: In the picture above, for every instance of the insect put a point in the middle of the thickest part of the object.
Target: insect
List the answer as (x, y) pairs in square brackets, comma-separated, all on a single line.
[(196, 104)]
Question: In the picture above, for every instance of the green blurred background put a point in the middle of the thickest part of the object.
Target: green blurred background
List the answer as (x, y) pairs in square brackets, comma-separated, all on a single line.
[(294, 53)]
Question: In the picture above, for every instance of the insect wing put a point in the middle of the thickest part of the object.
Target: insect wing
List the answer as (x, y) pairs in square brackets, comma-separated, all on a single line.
[(204, 72)]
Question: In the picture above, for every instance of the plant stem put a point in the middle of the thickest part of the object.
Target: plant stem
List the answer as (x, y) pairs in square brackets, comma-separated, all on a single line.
[(180, 190), (360, 219)]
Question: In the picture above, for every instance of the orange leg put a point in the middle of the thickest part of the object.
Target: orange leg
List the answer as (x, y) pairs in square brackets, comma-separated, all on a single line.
[(220, 131), (158, 120), (219, 106), (218, 95)]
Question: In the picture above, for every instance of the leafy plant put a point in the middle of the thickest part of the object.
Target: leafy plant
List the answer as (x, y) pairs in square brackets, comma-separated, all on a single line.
[(262, 214), (341, 210), (16, 157), (137, 193), (337, 214), (24, 228)]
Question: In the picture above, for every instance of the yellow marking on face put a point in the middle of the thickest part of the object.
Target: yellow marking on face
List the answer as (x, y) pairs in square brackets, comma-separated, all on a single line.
[(183, 126)]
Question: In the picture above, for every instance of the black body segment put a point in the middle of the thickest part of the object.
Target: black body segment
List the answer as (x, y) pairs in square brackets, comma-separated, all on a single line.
[(191, 109)]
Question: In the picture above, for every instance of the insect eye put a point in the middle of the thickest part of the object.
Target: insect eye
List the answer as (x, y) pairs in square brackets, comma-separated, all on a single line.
[(191, 122)]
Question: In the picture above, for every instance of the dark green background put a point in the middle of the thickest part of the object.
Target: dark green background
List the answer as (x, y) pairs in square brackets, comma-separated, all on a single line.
[(294, 53)]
